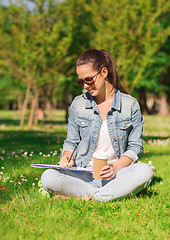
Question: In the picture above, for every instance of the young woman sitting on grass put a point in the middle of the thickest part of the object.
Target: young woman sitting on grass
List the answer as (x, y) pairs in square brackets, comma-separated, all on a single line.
[(104, 120)]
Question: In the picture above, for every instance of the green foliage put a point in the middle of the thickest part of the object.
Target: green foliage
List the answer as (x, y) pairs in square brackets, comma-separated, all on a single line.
[(136, 33), (7, 88), (42, 45)]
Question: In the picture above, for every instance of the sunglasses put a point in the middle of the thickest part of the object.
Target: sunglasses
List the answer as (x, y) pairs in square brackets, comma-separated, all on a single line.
[(88, 80)]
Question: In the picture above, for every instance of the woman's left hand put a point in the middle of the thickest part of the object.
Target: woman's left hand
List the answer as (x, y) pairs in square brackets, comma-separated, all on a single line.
[(108, 172)]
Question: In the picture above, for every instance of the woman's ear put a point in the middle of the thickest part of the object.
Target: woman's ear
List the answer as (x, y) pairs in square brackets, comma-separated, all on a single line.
[(104, 72)]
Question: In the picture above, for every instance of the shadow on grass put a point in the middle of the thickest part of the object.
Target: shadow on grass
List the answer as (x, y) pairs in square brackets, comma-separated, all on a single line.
[(146, 193), (14, 122), (155, 180), (31, 140), (10, 122), (150, 193), (146, 138)]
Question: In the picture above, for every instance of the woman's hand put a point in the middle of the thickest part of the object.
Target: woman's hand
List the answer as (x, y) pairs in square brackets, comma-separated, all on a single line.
[(64, 161), (108, 172)]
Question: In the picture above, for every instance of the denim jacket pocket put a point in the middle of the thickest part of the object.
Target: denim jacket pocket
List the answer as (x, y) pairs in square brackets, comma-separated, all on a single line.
[(123, 129), (124, 124), (84, 126), (82, 122)]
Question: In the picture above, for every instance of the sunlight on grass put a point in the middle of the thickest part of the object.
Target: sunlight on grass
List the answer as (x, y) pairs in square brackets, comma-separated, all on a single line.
[(26, 214), (156, 126), (10, 120)]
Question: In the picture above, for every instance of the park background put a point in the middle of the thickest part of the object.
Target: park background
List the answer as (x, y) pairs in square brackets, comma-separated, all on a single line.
[(39, 44), (41, 40)]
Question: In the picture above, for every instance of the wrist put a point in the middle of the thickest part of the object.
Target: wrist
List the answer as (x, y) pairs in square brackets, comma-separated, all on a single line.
[(121, 163), (116, 166), (67, 154)]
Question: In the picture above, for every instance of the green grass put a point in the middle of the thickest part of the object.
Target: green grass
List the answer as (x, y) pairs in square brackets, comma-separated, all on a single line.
[(26, 214), (10, 120)]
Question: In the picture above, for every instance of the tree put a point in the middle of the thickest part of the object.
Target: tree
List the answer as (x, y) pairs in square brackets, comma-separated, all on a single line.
[(135, 32), (39, 48), (33, 48), (45, 44)]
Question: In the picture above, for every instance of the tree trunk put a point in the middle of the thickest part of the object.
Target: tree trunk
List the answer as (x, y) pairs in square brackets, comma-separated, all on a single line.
[(142, 101), (40, 116), (14, 106), (36, 112), (163, 108), (25, 104), (54, 102), (50, 113), (32, 112), (42, 123), (20, 102), (48, 105)]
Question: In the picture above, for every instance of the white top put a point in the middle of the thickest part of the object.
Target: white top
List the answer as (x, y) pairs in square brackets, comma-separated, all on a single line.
[(104, 148)]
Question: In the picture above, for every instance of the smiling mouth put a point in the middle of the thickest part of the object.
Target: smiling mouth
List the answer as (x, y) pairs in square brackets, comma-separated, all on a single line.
[(91, 90)]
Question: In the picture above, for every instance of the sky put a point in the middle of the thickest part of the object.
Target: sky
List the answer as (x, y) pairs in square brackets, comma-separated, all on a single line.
[(29, 4)]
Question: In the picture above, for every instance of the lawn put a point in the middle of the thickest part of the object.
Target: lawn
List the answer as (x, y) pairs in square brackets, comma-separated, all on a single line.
[(26, 214)]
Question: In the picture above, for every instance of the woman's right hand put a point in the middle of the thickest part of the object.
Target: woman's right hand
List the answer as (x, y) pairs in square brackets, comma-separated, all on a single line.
[(64, 161)]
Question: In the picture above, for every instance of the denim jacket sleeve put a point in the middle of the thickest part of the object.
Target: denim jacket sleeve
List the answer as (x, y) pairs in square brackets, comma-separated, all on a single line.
[(73, 136), (135, 141)]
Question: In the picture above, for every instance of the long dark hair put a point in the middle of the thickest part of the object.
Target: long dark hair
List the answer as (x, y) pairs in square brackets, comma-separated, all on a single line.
[(99, 59)]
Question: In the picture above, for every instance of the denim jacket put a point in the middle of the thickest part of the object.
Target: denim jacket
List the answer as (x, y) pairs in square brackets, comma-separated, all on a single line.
[(124, 121)]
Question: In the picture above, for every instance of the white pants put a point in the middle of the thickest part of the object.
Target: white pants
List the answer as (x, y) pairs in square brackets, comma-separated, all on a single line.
[(129, 180)]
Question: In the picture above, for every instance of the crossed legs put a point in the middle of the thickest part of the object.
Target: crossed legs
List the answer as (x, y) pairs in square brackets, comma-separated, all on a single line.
[(82, 185)]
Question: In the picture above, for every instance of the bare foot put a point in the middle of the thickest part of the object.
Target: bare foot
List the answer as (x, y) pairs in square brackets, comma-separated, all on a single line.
[(56, 197), (85, 198)]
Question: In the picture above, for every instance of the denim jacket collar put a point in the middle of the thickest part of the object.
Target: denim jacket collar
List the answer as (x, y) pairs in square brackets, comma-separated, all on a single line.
[(90, 103)]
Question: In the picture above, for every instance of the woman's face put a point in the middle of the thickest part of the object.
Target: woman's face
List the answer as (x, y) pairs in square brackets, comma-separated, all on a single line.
[(85, 71)]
